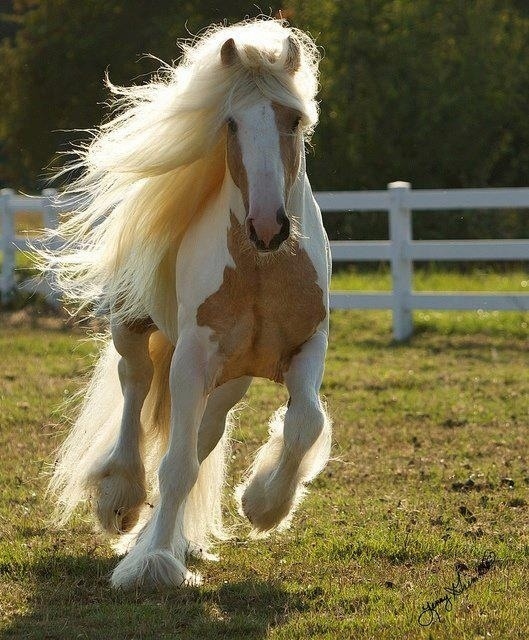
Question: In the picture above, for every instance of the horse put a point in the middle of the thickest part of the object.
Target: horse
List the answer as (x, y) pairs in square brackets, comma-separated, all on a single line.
[(196, 233)]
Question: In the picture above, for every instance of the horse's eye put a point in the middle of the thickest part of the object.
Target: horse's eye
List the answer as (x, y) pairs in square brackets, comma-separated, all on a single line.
[(296, 123), (232, 125)]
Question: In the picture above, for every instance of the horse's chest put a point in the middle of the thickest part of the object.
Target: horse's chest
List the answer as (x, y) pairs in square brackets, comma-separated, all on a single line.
[(262, 313)]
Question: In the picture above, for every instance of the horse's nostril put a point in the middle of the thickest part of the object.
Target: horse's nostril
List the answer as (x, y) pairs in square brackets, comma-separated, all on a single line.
[(280, 237), (251, 231), (281, 216), (285, 229), (283, 234), (253, 236)]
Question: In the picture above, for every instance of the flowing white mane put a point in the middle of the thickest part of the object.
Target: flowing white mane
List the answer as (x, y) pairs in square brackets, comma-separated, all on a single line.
[(150, 170)]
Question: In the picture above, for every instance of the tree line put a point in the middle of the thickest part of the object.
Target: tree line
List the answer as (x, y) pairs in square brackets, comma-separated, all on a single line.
[(432, 92)]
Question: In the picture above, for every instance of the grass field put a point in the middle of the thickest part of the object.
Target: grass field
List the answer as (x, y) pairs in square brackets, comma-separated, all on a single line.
[(430, 471)]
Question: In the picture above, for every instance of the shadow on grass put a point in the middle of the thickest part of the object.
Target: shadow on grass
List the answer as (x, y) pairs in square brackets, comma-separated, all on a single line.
[(71, 598)]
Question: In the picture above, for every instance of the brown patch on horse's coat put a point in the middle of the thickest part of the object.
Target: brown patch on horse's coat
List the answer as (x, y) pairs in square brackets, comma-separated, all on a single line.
[(289, 140), (236, 165), (264, 310)]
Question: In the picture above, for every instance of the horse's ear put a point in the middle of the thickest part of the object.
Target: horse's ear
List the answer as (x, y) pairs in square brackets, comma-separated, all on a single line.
[(228, 53), (293, 59)]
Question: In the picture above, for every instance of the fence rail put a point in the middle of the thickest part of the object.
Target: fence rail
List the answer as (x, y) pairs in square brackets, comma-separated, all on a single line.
[(399, 200), (401, 250)]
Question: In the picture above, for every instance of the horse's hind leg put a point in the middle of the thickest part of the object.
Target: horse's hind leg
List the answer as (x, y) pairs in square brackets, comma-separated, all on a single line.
[(117, 480), (296, 450), (213, 423)]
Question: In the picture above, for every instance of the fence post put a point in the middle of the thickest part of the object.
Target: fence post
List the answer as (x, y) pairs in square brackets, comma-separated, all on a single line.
[(400, 233), (49, 209), (7, 281), (51, 221)]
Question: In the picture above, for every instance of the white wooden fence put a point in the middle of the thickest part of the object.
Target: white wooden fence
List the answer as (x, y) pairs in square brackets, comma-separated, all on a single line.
[(401, 250), (399, 200)]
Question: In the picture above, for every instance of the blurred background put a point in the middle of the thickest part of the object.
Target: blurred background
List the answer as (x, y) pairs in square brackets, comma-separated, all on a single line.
[(435, 93)]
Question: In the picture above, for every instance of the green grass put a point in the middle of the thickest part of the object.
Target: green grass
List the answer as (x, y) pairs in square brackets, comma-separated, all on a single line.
[(430, 468), (433, 277)]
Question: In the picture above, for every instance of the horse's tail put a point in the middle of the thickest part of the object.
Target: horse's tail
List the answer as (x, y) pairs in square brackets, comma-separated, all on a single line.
[(96, 429), (92, 435)]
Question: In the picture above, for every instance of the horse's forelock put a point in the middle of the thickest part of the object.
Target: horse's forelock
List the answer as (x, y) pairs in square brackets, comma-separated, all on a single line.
[(264, 56)]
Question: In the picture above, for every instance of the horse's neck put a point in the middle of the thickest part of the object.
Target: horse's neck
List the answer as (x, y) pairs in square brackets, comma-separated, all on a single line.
[(300, 201)]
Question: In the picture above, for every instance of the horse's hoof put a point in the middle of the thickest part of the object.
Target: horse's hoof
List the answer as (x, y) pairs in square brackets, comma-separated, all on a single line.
[(118, 498), (152, 570), (264, 512)]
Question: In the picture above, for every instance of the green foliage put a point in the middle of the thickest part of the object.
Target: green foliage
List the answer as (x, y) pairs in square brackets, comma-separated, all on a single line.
[(54, 67), (431, 92)]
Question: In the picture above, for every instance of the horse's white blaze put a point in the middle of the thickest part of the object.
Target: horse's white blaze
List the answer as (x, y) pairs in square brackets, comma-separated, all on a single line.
[(261, 155)]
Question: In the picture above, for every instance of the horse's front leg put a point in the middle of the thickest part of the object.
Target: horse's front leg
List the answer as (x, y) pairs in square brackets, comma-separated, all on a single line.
[(298, 447), (220, 402), (158, 558), (204, 506), (117, 479)]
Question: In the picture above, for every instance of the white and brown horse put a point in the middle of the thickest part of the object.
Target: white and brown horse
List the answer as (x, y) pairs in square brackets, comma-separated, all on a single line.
[(201, 235)]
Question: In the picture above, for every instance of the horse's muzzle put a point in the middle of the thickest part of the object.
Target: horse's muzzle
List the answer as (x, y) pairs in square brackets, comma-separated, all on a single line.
[(268, 235)]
